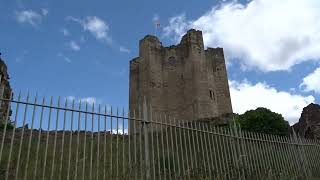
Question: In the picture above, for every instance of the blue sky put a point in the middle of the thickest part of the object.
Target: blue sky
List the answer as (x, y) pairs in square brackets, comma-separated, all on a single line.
[(82, 50)]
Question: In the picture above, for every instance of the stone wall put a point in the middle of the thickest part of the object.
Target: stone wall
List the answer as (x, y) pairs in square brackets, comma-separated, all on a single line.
[(309, 122), (5, 91), (184, 81)]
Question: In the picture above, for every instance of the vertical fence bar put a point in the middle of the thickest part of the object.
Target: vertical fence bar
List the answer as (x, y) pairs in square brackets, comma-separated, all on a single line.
[(141, 164), (192, 155), (316, 157), (186, 143), (177, 148), (111, 144), (307, 154), (123, 146), (145, 127), (151, 127), (274, 165), (162, 147), (13, 136), (201, 149), (277, 150), (287, 170), (167, 143), (269, 157), (210, 152), (39, 139), (206, 149), (306, 163), (78, 142), (135, 145), (254, 155), (197, 145), (258, 156), (70, 141), (244, 153), (239, 149), (214, 154), (190, 145), (63, 134), (195, 164), (225, 153), (249, 155), (233, 164), (30, 139), (312, 157), (217, 145), (246, 150), (5, 121), (299, 153), (98, 145), (291, 154), (85, 142), (263, 155), (158, 130), (222, 153), (213, 149), (117, 144), (172, 147), (283, 166), (21, 138), (105, 143), (47, 139), (55, 140), (181, 148), (92, 140), (129, 122)]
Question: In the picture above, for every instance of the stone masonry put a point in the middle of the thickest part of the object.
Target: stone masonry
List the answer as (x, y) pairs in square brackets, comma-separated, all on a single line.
[(5, 91), (183, 81)]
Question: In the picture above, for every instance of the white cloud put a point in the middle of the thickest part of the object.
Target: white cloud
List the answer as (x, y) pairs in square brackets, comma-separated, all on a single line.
[(65, 32), (270, 35), (70, 98), (89, 100), (74, 46), (312, 82), (120, 131), (29, 17), (124, 49), (96, 26), (246, 96), (65, 58), (178, 25), (44, 11)]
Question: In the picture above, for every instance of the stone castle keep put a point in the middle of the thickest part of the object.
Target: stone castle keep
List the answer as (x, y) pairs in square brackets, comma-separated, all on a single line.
[(184, 81)]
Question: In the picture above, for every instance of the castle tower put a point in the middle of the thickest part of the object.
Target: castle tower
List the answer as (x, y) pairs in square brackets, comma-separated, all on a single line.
[(184, 81)]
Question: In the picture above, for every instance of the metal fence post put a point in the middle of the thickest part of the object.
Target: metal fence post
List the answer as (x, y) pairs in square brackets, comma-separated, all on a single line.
[(302, 164), (238, 150), (145, 125)]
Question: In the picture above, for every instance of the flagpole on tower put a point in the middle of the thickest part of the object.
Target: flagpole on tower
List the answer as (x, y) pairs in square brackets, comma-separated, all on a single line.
[(157, 26)]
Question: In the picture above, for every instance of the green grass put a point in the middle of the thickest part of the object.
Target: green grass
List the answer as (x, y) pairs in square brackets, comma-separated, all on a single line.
[(185, 155)]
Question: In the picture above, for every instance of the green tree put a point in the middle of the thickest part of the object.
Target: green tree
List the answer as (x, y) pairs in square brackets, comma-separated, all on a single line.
[(263, 120)]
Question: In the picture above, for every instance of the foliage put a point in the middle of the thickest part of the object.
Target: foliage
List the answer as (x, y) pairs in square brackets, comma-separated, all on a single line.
[(2, 125), (263, 120)]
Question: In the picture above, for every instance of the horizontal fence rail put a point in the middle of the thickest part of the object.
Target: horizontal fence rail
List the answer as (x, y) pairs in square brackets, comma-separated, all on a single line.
[(48, 138)]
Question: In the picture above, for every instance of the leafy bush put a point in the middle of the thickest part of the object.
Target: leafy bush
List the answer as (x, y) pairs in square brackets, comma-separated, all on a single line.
[(2, 126), (263, 120)]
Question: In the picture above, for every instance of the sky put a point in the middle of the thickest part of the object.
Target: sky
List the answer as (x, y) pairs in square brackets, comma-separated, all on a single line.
[(81, 50)]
